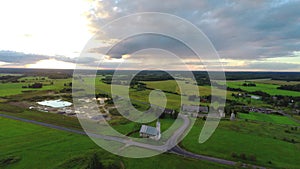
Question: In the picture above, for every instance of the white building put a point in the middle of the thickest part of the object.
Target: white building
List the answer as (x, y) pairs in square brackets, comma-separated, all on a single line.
[(232, 116), (151, 132)]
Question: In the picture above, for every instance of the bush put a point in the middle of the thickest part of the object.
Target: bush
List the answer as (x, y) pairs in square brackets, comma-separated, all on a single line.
[(95, 163), (252, 158), (234, 155), (114, 112), (36, 85), (9, 160), (243, 156)]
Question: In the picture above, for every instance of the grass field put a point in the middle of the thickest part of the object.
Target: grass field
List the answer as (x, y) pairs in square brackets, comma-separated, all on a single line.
[(32, 146), (57, 119), (8, 89), (277, 82), (268, 88), (270, 118), (273, 145), (9, 74), (132, 126), (268, 143), (173, 86)]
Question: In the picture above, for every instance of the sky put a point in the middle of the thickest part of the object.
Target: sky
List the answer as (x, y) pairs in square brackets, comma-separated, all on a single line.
[(247, 35)]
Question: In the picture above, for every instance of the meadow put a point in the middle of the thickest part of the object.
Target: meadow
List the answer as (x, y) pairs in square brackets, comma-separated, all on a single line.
[(269, 144), (174, 86), (8, 89), (270, 118), (268, 138), (268, 88), (25, 145)]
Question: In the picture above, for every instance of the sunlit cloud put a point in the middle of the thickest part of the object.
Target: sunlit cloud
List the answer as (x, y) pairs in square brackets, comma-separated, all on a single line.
[(52, 34), (51, 64)]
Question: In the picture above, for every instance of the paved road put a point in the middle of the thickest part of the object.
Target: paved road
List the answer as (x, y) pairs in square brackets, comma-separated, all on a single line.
[(179, 151), (168, 146)]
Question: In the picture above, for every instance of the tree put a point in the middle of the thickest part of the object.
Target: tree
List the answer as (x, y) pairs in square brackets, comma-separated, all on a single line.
[(252, 158), (36, 85), (174, 115), (162, 116), (243, 156), (95, 162)]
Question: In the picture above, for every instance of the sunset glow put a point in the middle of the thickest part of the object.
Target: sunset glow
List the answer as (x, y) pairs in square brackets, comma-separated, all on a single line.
[(51, 64)]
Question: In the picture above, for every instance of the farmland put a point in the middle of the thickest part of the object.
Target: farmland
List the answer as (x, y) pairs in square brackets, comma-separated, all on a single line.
[(32, 146), (246, 139)]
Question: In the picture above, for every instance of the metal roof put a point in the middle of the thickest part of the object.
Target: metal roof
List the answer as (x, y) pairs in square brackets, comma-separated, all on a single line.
[(190, 108), (149, 130)]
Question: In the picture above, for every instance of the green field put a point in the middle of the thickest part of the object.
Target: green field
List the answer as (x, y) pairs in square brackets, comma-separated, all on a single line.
[(8, 89), (276, 119), (268, 138), (268, 88), (173, 86), (277, 82), (32, 146), (268, 143)]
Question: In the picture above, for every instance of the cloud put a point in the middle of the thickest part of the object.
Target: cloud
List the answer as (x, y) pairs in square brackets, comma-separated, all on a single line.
[(241, 30), (246, 34), (13, 58), (145, 41), (20, 58), (272, 66)]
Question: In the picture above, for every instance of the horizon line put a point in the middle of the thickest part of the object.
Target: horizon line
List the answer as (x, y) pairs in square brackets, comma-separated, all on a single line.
[(242, 71)]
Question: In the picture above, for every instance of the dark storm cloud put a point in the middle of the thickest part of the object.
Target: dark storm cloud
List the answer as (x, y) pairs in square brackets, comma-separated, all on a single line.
[(145, 41), (247, 30)]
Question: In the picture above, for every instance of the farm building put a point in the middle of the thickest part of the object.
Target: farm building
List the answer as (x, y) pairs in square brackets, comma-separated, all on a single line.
[(190, 108), (203, 109), (151, 132), (169, 111), (194, 109)]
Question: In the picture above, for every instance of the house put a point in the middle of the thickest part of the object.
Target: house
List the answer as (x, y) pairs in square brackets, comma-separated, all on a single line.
[(255, 97), (61, 112), (194, 109), (232, 116), (151, 132), (190, 108), (169, 111), (203, 109), (221, 113), (97, 117)]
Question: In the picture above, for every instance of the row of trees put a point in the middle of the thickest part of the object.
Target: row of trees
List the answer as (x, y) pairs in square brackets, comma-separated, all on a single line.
[(249, 84), (34, 86), (290, 87)]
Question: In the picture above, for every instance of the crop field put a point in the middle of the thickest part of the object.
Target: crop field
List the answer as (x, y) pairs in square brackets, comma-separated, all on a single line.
[(26, 145), (268, 88), (270, 144), (276, 119)]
